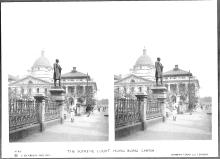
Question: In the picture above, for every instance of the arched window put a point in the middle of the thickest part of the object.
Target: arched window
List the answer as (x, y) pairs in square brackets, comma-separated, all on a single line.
[(38, 90), (22, 90), (132, 89), (30, 82), (45, 90), (15, 90), (140, 89), (132, 81), (125, 90), (29, 90)]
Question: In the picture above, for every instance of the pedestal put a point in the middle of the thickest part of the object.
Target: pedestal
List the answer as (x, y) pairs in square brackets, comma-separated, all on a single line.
[(40, 100), (142, 101), (160, 92), (58, 95)]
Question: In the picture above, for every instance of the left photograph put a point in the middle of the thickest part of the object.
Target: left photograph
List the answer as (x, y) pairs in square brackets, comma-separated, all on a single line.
[(48, 104), (56, 91)]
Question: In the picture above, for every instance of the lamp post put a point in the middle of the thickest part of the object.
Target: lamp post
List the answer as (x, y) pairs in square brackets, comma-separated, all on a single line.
[(87, 89), (189, 94)]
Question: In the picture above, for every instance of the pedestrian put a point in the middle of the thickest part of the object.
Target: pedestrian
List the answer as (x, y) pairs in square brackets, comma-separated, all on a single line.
[(174, 111), (72, 113), (88, 110)]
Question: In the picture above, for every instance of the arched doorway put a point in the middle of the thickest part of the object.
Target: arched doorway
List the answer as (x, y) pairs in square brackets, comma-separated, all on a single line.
[(71, 101), (173, 98)]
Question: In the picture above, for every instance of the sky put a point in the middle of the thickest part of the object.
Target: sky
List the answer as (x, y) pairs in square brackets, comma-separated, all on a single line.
[(106, 38)]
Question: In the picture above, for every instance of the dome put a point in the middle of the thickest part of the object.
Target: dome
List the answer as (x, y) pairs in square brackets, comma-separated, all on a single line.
[(41, 62), (144, 60)]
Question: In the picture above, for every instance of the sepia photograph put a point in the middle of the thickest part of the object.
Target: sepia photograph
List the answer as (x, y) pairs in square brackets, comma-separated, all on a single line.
[(109, 79)]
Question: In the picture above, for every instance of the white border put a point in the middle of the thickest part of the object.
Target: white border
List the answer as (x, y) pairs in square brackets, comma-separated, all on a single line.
[(60, 149)]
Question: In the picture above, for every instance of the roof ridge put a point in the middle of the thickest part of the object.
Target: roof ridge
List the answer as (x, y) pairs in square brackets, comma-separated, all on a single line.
[(74, 73), (176, 71), (21, 79), (147, 80)]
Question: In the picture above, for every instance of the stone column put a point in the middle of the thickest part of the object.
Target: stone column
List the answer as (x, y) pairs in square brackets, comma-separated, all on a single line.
[(142, 102), (67, 89), (74, 90), (177, 98), (84, 89), (58, 95), (168, 87), (160, 92), (40, 100), (177, 88)]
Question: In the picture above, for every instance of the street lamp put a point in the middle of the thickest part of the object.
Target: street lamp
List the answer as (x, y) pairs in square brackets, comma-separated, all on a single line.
[(87, 89), (189, 94)]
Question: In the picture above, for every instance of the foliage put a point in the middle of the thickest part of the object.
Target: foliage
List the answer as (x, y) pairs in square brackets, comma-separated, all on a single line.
[(206, 100), (80, 100), (103, 102)]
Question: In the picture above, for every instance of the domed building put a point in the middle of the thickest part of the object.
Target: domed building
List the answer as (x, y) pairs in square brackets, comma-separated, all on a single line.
[(139, 80), (144, 67), (42, 68), (38, 80)]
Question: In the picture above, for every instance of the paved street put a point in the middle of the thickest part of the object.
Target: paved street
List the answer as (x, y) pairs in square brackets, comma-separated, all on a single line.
[(187, 127), (92, 128)]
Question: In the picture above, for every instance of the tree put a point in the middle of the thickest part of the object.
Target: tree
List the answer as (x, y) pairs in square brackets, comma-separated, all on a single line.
[(192, 99)]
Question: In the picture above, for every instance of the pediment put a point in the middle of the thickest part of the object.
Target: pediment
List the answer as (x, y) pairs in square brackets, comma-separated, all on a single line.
[(133, 79), (30, 80)]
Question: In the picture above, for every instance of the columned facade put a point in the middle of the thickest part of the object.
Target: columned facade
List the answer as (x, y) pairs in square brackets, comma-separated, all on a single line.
[(39, 81), (79, 86), (183, 87)]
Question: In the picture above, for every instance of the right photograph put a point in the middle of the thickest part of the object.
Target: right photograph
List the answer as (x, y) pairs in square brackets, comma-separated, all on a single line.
[(155, 101)]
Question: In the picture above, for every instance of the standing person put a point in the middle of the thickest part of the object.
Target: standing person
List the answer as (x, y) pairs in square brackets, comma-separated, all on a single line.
[(72, 113), (159, 71), (88, 110), (174, 111), (57, 72)]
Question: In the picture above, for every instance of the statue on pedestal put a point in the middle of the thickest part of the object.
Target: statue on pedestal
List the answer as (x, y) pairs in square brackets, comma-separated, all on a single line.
[(159, 71), (57, 72)]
